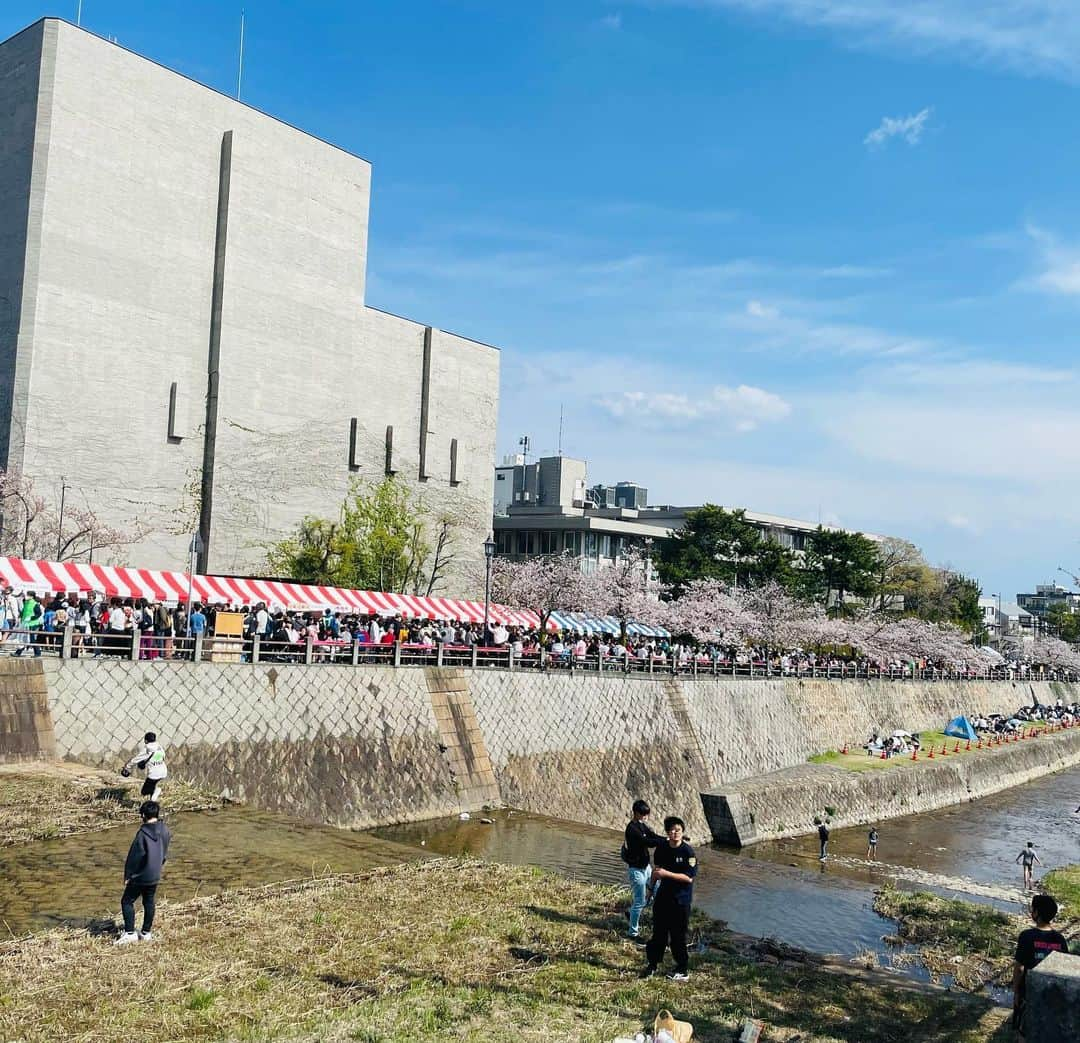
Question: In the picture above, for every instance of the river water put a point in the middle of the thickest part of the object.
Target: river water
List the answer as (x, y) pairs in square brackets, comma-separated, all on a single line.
[(779, 889)]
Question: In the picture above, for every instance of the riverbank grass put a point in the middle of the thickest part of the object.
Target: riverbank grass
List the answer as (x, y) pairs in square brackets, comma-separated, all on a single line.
[(439, 951), (42, 800), (857, 759), (1064, 885), (971, 943)]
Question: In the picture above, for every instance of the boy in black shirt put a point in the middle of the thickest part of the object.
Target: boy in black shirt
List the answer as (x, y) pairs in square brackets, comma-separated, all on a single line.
[(1032, 947), (635, 853), (675, 866)]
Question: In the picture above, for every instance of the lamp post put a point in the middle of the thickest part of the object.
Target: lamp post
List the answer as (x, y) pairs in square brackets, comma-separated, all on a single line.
[(1000, 626), (489, 555), (193, 548)]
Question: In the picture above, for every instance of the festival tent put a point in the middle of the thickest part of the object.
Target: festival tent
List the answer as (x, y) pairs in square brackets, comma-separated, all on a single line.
[(72, 577), (960, 728)]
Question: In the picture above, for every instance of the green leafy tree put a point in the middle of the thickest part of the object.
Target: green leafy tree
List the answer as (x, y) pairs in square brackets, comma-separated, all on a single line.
[(900, 566), (713, 544), (837, 564), (962, 598), (773, 563), (379, 542), (1063, 623)]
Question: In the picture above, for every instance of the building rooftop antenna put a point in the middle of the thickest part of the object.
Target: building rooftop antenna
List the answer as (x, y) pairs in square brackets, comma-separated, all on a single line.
[(524, 443), (559, 453), (240, 68)]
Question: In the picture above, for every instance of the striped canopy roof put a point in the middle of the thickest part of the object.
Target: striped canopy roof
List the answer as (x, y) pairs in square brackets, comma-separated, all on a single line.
[(114, 581)]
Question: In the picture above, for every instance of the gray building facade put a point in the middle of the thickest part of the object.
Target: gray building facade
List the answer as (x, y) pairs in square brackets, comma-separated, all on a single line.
[(183, 327)]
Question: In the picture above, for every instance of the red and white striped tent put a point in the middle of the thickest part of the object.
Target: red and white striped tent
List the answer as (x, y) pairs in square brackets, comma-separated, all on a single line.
[(75, 577)]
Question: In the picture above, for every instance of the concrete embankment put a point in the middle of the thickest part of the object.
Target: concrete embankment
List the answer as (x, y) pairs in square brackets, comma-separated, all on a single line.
[(366, 746), (785, 803)]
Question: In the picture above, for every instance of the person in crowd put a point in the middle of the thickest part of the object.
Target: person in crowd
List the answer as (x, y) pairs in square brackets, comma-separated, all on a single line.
[(197, 621), (637, 839), (142, 873), (823, 840), (1032, 947), (674, 870), (1030, 858), (31, 620), (871, 843), (163, 630), (151, 757)]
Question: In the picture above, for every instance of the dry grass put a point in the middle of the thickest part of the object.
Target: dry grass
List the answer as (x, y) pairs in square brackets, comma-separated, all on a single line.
[(43, 800), (444, 950)]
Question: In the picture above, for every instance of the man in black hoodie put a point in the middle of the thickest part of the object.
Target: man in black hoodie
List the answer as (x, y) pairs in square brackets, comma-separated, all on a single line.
[(635, 853), (142, 872)]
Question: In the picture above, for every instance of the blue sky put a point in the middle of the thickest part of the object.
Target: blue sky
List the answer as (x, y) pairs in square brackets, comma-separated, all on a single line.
[(813, 257)]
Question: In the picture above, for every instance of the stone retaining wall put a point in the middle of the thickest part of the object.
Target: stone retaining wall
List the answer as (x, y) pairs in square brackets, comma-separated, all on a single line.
[(374, 745), (785, 803)]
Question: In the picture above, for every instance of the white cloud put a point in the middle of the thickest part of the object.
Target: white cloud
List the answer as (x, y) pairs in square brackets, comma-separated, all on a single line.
[(907, 128), (1060, 264), (1032, 37), (743, 407), (761, 311)]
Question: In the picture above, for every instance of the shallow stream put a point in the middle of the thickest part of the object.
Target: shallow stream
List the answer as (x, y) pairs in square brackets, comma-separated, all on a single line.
[(777, 889)]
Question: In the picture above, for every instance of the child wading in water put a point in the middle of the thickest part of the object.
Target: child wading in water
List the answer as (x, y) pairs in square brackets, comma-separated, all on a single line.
[(871, 843)]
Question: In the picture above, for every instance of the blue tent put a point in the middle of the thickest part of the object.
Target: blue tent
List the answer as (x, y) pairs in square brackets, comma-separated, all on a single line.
[(960, 728)]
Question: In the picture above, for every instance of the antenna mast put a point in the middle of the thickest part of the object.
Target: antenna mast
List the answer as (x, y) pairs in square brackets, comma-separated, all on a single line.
[(560, 428), (240, 69)]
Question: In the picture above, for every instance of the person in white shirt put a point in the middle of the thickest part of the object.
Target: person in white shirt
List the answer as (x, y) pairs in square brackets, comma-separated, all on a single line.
[(500, 635), (375, 631), (580, 648), (150, 756)]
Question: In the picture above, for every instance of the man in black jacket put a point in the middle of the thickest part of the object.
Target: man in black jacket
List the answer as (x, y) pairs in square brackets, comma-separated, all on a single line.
[(142, 872), (635, 853), (675, 870)]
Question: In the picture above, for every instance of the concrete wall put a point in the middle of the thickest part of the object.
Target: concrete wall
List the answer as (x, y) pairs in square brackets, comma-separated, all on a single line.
[(120, 265), (1053, 1000), (26, 731), (749, 727), (369, 745), (785, 803), (25, 102)]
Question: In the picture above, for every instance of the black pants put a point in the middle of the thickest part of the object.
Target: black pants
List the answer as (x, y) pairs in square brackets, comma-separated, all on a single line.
[(670, 922), (147, 892)]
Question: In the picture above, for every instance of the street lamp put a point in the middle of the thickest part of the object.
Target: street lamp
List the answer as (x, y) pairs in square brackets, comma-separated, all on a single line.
[(489, 555), (194, 548), (1000, 625)]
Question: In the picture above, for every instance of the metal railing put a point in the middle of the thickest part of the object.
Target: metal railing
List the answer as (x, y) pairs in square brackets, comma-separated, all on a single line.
[(149, 647)]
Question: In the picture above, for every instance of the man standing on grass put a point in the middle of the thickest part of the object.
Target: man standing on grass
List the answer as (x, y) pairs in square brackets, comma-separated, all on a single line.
[(1030, 859), (635, 853), (142, 873), (675, 866)]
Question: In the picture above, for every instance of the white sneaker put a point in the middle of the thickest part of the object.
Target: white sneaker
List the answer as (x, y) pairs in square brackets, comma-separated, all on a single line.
[(145, 936), (126, 938)]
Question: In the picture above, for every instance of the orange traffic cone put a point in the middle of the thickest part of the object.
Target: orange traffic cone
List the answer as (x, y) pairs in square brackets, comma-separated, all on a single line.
[(968, 746), (979, 747), (956, 748), (844, 750), (930, 755), (914, 755), (944, 752), (883, 757)]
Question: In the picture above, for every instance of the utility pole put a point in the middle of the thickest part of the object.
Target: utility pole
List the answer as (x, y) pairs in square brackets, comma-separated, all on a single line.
[(60, 526)]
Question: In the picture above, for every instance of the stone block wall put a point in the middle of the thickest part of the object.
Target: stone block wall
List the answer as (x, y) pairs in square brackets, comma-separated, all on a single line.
[(350, 747), (373, 745), (26, 730), (585, 748)]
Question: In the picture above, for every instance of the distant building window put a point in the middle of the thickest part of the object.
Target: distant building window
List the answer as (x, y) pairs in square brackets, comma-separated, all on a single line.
[(500, 477)]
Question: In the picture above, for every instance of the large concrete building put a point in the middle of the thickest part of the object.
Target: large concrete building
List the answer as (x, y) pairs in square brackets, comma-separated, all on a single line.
[(183, 329)]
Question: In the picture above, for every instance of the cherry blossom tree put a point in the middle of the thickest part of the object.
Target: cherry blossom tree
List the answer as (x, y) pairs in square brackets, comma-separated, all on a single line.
[(625, 591), (31, 528), (709, 610), (553, 583)]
